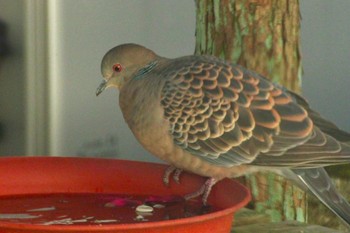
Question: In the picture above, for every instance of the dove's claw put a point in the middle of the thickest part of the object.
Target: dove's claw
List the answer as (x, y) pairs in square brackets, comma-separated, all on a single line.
[(204, 191), (167, 174), (177, 175), (169, 171)]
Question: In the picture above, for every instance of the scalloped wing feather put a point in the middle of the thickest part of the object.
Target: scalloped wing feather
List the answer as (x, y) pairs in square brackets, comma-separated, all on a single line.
[(228, 115)]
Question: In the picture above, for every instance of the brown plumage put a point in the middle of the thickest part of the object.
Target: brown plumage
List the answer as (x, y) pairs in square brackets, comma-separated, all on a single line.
[(217, 119)]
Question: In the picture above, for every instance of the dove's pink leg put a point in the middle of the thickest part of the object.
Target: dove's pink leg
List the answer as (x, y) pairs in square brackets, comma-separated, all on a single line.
[(204, 191), (169, 171), (177, 175)]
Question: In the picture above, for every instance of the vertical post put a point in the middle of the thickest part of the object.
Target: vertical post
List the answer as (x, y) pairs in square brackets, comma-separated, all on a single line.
[(37, 93), (262, 35)]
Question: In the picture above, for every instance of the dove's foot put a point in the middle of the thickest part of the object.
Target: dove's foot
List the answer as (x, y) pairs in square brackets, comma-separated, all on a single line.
[(204, 191), (175, 172)]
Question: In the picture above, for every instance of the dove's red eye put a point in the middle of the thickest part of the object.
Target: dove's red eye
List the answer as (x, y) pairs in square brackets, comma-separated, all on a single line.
[(117, 67)]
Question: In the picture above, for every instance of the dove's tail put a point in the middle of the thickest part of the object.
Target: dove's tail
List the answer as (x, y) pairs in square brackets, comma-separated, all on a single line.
[(320, 184)]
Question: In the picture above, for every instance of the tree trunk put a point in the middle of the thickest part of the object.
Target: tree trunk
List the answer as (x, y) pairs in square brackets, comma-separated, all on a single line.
[(261, 35)]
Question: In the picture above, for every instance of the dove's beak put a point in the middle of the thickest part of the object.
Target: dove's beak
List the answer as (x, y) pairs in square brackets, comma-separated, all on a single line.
[(101, 87)]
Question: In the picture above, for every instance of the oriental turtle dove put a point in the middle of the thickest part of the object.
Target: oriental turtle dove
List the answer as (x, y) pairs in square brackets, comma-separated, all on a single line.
[(216, 119)]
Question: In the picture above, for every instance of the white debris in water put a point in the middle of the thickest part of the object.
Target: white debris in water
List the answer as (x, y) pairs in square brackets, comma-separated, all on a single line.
[(70, 221), (158, 206), (144, 209), (105, 221), (139, 218), (18, 216), (65, 221), (42, 209), (109, 205)]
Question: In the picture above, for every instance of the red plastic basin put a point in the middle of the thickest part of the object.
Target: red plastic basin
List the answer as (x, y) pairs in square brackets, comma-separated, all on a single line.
[(49, 175)]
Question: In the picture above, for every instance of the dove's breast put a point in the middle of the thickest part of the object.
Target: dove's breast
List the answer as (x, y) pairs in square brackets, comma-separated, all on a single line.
[(140, 104)]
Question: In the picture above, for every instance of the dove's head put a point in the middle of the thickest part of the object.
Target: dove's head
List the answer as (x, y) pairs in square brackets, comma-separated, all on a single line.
[(121, 62)]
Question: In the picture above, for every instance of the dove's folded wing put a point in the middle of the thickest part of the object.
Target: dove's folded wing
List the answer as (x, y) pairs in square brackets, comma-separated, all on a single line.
[(228, 115)]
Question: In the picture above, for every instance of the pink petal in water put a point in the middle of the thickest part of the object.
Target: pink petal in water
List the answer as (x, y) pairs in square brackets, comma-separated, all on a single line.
[(121, 201)]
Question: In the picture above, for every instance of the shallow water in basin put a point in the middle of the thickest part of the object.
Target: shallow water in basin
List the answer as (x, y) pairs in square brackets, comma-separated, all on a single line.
[(96, 209)]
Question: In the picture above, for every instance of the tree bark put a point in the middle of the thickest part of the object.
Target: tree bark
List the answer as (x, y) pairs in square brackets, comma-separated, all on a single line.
[(261, 35)]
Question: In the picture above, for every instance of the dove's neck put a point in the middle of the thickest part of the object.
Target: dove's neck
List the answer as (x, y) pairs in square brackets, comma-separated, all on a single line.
[(140, 101), (141, 73)]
